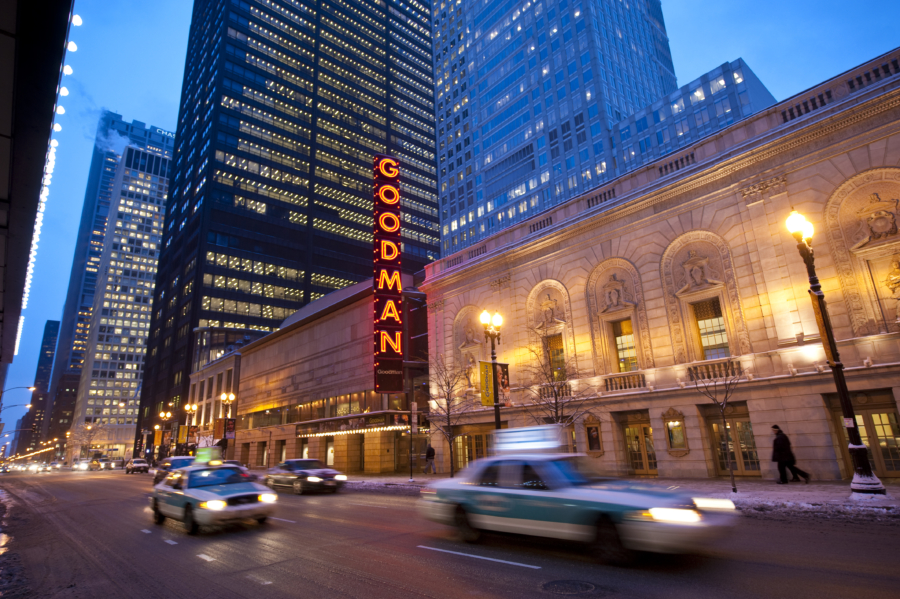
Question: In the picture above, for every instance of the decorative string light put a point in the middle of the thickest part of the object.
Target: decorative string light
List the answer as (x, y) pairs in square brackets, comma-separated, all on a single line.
[(380, 429)]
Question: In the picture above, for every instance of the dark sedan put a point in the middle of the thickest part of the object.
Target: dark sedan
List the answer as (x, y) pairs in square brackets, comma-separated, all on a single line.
[(305, 476)]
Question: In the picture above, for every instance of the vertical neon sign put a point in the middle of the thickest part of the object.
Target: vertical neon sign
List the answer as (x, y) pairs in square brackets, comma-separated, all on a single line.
[(389, 350)]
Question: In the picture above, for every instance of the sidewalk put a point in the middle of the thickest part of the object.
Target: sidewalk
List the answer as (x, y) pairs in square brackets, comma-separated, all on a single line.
[(755, 498)]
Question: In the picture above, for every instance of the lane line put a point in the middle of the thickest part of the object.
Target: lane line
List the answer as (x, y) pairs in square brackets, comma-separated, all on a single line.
[(206, 557), (259, 580), (171, 542), (490, 559), (282, 519), (383, 507), (145, 531)]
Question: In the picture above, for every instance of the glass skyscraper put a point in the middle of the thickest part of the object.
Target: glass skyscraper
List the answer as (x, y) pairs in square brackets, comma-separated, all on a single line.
[(38, 414), (113, 135), (284, 104), (120, 316), (527, 93)]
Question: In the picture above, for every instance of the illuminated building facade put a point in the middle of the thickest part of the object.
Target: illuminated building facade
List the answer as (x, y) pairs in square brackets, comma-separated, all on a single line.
[(284, 105), (113, 135), (120, 315)]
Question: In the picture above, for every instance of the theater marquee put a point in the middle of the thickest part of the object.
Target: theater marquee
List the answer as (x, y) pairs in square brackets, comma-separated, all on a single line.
[(389, 350)]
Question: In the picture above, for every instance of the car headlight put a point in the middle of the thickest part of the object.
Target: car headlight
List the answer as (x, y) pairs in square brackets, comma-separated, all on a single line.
[(706, 503), (674, 515), (340, 477), (314, 479), (215, 504), (268, 497)]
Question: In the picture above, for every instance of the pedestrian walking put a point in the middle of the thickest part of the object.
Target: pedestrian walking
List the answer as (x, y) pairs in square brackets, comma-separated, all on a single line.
[(429, 460), (784, 457)]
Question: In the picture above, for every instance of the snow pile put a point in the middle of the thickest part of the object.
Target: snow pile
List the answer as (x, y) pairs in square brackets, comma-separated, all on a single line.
[(879, 509)]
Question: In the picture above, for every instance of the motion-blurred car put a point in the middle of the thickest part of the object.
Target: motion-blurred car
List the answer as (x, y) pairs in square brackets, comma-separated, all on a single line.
[(55, 466), (38, 467), (137, 465), (558, 496), (4, 469), (81, 465), (305, 476), (206, 495), (168, 464)]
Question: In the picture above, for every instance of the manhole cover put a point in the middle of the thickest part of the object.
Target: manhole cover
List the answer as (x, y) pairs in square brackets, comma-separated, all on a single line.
[(568, 587)]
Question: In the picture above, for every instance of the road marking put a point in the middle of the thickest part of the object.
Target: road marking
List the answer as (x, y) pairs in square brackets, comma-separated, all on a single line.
[(206, 557), (282, 519), (171, 542), (145, 531), (384, 507), (490, 559), (259, 580)]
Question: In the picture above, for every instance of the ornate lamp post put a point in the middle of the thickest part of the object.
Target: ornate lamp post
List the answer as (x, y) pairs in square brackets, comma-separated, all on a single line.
[(165, 416), (228, 399), (190, 410), (492, 326), (864, 480)]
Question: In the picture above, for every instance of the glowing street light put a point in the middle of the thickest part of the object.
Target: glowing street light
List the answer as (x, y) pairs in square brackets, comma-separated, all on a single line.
[(492, 326)]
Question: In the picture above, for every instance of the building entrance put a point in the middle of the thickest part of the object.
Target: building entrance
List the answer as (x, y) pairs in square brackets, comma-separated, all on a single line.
[(735, 439), (879, 427), (640, 449)]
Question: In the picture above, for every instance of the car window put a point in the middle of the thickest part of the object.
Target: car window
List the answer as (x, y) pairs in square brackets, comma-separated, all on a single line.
[(527, 478), (172, 479), (216, 476), (490, 476), (576, 470), (306, 464)]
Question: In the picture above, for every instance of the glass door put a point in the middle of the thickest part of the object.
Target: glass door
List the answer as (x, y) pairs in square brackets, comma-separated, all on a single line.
[(738, 443), (640, 449), (880, 433), (469, 448)]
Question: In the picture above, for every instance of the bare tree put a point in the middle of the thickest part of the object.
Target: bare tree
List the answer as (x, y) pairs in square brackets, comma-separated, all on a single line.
[(719, 385), (84, 433), (450, 401), (554, 390)]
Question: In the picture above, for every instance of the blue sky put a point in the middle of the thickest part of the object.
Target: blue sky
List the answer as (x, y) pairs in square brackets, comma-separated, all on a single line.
[(131, 55)]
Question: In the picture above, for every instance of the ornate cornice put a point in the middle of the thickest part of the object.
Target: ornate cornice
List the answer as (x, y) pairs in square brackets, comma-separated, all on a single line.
[(764, 189)]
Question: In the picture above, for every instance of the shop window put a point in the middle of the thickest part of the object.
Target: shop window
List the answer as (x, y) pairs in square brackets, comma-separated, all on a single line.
[(623, 335), (676, 439), (710, 326), (556, 356)]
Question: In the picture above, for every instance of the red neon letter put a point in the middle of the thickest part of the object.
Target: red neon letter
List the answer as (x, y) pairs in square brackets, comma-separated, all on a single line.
[(389, 167), (387, 281), (390, 311), (389, 194), (389, 217), (386, 340), (389, 250)]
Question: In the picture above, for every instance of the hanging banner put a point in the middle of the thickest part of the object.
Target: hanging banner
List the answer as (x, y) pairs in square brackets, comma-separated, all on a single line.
[(230, 428), (388, 302), (157, 437), (501, 375), (487, 383), (182, 433)]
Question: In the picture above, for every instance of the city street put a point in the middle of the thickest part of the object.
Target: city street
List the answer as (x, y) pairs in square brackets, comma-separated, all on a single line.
[(69, 535)]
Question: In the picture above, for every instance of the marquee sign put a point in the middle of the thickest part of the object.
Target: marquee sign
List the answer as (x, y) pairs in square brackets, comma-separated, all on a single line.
[(389, 350)]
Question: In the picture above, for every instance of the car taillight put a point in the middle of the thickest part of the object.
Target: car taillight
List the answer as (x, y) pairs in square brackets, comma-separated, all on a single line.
[(429, 492)]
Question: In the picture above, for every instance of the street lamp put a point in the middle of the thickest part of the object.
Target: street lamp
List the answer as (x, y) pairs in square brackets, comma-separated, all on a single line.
[(11, 388), (864, 480), (18, 405), (492, 326), (164, 416), (228, 399)]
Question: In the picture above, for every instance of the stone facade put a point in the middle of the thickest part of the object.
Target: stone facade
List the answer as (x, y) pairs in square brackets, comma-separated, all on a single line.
[(711, 233)]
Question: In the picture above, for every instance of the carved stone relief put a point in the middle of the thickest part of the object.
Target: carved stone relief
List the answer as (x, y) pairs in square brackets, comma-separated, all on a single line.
[(861, 226), (692, 262), (549, 311), (468, 335), (613, 290), (764, 189)]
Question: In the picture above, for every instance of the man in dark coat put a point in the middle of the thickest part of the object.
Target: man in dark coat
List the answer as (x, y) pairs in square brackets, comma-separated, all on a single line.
[(784, 457), (429, 460)]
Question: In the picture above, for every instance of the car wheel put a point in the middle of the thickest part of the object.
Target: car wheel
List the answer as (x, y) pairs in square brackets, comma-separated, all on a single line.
[(298, 487), (262, 519), (158, 517), (608, 544), (467, 532), (189, 522)]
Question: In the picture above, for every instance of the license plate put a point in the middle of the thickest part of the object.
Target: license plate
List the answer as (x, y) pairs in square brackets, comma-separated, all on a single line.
[(329, 483)]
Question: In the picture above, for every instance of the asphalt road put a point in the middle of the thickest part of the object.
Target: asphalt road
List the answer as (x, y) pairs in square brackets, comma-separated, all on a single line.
[(85, 535)]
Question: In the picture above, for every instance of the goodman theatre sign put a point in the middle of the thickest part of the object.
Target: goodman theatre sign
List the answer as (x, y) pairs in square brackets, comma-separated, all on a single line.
[(388, 292)]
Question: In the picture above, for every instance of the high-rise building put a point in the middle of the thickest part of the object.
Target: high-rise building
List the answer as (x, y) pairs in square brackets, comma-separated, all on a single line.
[(113, 135), (120, 315), (62, 411), (528, 96), (284, 105), (38, 414), (16, 435)]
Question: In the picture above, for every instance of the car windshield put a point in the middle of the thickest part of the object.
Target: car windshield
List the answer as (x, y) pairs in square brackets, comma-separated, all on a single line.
[(217, 476), (304, 465), (577, 470), (138, 461)]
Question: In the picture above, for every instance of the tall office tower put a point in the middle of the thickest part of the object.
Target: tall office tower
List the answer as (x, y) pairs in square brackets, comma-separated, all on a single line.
[(527, 93), (62, 411), (14, 444), (120, 315), (284, 104), (113, 135), (37, 415)]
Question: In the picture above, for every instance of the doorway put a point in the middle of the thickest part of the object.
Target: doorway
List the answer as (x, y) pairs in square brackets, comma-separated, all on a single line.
[(471, 447), (639, 449), (879, 427), (734, 439)]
